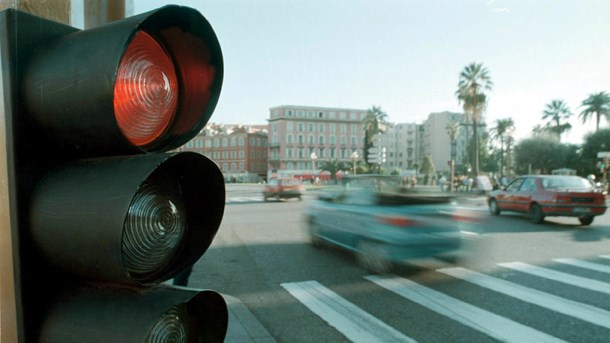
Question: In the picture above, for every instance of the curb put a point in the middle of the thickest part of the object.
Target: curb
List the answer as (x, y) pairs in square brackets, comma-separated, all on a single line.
[(243, 326)]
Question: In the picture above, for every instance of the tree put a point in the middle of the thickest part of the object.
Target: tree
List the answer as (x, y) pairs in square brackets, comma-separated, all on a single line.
[(597, 104), (544, 154), (593, 143), (555, 112), (374, 123), (427, 168), (333, 166), (474, 81), (501, 132)]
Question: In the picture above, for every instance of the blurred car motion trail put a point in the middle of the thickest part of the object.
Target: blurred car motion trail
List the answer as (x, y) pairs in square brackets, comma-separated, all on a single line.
[(383, 221)]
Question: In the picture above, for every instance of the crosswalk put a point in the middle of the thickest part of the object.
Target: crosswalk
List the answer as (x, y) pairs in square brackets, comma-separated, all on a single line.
[(515, 284), (245, 199)]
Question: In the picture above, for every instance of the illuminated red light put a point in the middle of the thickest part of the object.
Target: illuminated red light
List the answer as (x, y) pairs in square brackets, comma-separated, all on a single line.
[(145, 91)]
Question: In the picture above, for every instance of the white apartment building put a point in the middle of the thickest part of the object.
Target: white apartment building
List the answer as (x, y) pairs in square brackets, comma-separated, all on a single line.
[(436, 141), (403, 148)]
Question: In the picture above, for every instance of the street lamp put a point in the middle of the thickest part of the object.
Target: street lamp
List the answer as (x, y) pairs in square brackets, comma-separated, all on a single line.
[(354, 159), (314, 158)]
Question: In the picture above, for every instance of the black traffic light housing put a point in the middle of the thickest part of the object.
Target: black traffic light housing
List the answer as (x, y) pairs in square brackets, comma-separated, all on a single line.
[(100, 212)]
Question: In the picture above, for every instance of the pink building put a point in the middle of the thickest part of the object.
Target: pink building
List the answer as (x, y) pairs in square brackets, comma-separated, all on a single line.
[(300, 137)]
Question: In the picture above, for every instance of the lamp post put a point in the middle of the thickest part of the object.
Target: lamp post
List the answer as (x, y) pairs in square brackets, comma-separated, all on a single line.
[(313, 158), (354, 159)]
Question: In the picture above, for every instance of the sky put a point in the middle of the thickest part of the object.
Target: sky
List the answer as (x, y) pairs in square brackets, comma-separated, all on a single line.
[(406, 56)]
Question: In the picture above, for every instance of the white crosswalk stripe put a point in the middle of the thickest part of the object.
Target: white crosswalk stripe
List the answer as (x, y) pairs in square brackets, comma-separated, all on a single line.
[(565, 306), (578, 281), (354, 323), (489, 323), (359, 326), (584, 264), (245, 199)]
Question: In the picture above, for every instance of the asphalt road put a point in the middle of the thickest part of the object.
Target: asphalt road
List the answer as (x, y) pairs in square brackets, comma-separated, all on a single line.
[(516, 281)]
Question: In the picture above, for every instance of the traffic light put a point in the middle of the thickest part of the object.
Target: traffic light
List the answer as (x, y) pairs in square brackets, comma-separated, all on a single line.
[(101, 211)]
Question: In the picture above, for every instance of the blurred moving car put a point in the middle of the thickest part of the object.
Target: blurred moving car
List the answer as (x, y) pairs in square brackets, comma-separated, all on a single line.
[(549, 195), (284, 188), (384, 222)]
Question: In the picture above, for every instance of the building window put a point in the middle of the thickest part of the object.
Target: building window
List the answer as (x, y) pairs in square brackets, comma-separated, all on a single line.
[(343, 128), (331, 115), (240, 141), (289, 126), (320, 139), (300, 127), (225, 142), (332, 140), (310, 127), (310, 139), (332, 128), (321, 127), (300, 139), (289, 139)]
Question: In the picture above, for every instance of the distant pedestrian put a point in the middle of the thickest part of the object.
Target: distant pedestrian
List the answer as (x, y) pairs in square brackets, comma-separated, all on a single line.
[(442, 182)]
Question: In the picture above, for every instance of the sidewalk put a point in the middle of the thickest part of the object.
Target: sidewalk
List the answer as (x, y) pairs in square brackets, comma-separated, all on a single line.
[(243, 326)]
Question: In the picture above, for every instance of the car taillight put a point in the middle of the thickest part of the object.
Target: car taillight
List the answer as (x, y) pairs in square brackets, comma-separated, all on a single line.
[(145, 91), (399, 221)]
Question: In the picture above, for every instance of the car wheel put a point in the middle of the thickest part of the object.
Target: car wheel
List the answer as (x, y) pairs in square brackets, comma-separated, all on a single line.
[(371, 257), (585, 220), (493, 207), (536, 215)]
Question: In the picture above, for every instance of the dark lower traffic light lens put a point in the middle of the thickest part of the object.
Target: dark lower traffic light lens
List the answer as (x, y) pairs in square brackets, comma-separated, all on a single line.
[(172, 327), (155, 227)]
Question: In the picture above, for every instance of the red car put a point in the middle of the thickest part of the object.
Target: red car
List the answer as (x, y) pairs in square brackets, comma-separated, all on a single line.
[(549, 195), (284, 188)]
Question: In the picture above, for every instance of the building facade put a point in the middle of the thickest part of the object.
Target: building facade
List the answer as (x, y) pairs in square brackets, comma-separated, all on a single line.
[(239, 151), (301, 137), (436, 141), (402, 143)]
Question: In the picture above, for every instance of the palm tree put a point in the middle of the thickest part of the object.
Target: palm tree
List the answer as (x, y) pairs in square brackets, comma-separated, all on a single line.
[(502, 132), (555, 112), (374, 122), (333, 166), (474, 81), (598, 104)]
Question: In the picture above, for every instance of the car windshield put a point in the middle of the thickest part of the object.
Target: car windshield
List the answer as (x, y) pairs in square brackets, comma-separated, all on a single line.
[(471, 110)]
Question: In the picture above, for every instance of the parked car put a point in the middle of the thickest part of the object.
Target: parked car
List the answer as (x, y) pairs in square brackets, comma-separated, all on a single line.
[(383, 222), (283, 188), (541, 196)]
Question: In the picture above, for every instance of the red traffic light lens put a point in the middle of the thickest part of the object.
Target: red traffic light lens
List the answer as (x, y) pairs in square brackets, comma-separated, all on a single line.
[(155, 228), (145, 91)]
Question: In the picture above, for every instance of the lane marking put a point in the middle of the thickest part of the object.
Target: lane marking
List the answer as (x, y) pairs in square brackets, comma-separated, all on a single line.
[(590, 284), (350, 320), (491, 324), (584, 264), (558, 304)]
